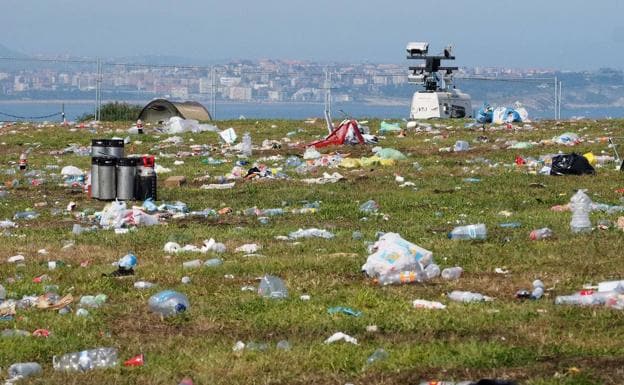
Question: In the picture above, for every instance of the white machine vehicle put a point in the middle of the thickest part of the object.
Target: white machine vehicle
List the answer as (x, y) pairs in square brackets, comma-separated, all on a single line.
[(440, 98)]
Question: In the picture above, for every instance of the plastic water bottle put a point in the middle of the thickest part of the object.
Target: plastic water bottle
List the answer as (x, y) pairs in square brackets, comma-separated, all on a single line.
[(168, 303), (538, 289), (213, 262), (23, 161), (24, 369), (272, 287), (144, 285), (452, 273), (194, 264), (540, 234), (127, 262), (432, 271), (246, 148), (86, 360), (467, 296), (2, 293), (378, 355), (402, 277), (93, 301), (477, 231), (580, 205)]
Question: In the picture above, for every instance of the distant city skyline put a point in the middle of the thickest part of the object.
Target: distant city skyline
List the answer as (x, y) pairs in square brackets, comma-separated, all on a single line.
[(563, 35)]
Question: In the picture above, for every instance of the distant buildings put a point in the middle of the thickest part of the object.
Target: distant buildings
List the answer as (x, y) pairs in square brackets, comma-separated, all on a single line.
[(242, 81)]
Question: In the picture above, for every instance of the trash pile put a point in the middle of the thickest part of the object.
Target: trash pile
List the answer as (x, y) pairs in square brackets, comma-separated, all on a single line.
[(290, 228)]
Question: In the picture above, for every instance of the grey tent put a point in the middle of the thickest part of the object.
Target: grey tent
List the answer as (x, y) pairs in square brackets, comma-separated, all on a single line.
[(160, 110)]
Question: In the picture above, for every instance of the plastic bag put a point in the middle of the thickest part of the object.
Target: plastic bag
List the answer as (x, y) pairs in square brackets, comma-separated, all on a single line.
[(571, 164), (395, 254), (389, 153), (113, 215)]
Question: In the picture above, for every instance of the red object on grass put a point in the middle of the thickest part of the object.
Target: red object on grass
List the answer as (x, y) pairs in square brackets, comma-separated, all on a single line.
[(138, 360), (337, 136)]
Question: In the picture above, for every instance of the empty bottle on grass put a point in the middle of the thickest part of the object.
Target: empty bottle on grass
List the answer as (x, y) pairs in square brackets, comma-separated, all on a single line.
[(538, 289), (272, 287), (451, 273), (168, 303), (432, 271), (246, 145), (467, 296), (540, 234), (400, 277), (86, 360), (477, 231), (378, 355), (24, 369), (580, 205), (587, 298)]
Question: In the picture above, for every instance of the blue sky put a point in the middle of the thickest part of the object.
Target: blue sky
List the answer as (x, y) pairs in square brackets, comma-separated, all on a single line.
[(561, 34)]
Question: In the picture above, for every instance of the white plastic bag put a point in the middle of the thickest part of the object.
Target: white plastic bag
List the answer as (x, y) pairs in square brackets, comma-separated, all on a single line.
[(395, 254), (113, 215)]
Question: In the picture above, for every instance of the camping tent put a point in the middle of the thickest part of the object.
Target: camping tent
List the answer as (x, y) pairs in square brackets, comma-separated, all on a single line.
[(348, 131), (160, 110)]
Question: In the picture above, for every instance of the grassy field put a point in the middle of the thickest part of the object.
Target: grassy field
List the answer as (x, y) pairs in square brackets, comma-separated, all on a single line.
[(534, 342)]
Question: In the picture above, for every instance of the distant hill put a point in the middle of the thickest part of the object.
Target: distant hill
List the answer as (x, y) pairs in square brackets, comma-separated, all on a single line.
[(7, 52), (164, 60)]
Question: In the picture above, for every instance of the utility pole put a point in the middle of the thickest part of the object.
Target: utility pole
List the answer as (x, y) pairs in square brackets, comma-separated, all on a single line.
[(214, 93), (328, 100), (560, 85), (556, 98)]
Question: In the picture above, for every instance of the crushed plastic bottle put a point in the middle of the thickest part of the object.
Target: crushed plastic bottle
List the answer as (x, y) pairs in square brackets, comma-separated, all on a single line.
[(93, 301), (86, 360), (580, 205), (293, 162), (461, 145), (9, 333), (3, 293), (246, 145), (432, 271), (467, 296), (310, 233), (213, 262), (452, 273), (144, 285), (28, 215), (272, 287), (127, 262), (538, 289), (378, 355), (540, 234), (402, 277), (168, 303), (588, 298), (477, 231), (283, 345), (23, 370), (194, 264), (369, 207)]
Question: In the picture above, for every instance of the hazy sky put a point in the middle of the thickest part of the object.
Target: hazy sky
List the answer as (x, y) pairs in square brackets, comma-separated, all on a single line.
[(563, 34)]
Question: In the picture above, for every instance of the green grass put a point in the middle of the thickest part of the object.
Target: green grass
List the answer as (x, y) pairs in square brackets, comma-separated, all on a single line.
[(534, 342)]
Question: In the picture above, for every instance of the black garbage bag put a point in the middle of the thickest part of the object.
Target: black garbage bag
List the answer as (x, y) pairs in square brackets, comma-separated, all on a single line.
[(571, 164), (494, 382)]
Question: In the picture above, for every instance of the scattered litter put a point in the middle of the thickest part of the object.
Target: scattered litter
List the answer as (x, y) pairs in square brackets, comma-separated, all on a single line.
[(340, 336), (424, 304)]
